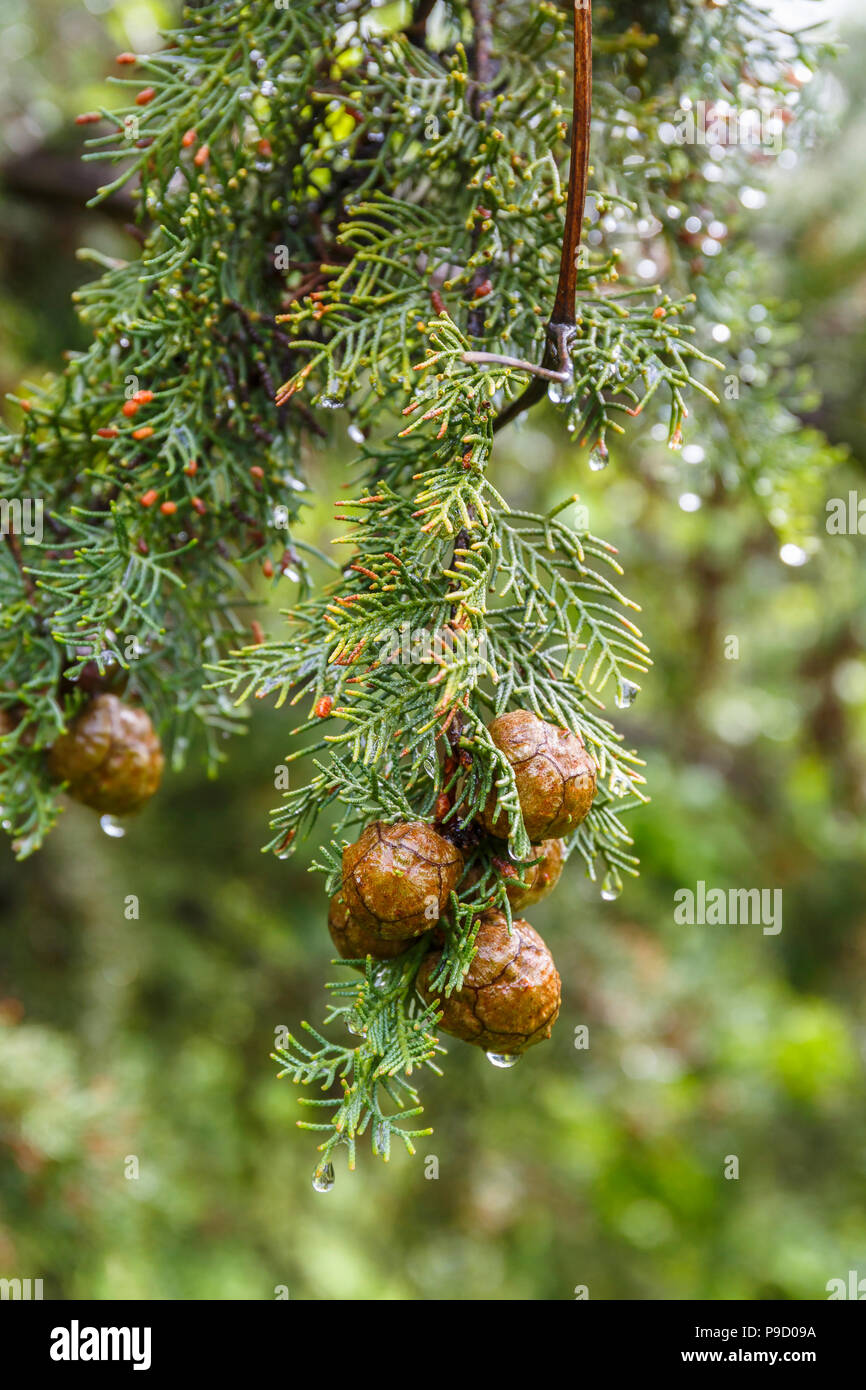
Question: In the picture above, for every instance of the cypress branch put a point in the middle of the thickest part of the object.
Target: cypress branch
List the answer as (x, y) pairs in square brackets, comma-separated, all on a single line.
[(341, 221)]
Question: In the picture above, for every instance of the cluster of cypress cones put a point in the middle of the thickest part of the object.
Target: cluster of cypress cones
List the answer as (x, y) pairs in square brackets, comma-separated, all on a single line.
[(398, 879)]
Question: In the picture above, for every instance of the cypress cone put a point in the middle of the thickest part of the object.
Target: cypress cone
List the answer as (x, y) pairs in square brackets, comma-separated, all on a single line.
[(510, 996), (110, 757), (539, 878), (398, 878), (355, 941), (554, 774), (112, 680)]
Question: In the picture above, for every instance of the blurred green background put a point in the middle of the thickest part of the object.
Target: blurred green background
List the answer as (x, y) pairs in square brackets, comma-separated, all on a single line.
[(602, 1167)]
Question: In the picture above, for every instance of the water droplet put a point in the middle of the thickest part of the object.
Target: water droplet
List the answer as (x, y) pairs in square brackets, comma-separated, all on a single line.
[(323, 1178), (380, 1138), (112, 827), (652, 371), (561, 392), (329, 402), (626, 694), (611, 888), (502, 1059), (356, 434), (353, 1027), (598, 458)]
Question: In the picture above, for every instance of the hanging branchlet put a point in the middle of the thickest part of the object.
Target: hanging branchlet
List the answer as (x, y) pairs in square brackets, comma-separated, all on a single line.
[(454, 614), (343, 221)]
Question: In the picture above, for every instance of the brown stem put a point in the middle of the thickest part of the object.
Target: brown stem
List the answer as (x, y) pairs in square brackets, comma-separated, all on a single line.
[(562, 319), (417, 30), (494, 359), (483, 35), (566, 290), (58, 181)]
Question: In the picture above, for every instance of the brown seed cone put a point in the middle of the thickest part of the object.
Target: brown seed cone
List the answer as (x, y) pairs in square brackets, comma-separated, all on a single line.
[(397, 878), (555, 776), (541, 878), (113, 680), (110, 756), (356, 942), (510, 996)]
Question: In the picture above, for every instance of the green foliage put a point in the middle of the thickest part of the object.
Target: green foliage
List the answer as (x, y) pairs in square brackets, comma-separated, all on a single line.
[(190, 325), (340, 215), (599, 1167), (398, 1037)]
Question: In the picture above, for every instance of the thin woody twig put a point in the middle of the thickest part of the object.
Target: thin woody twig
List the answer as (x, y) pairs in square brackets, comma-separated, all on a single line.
[(562, 319), (417, 30), (566, 292), (483, 40), (494, 359)]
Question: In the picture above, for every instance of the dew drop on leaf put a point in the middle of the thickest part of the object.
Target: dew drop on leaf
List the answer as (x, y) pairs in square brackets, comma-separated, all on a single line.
[(611, 887), (652, 372), (626, 694), (323, 1178), (598, 458)]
